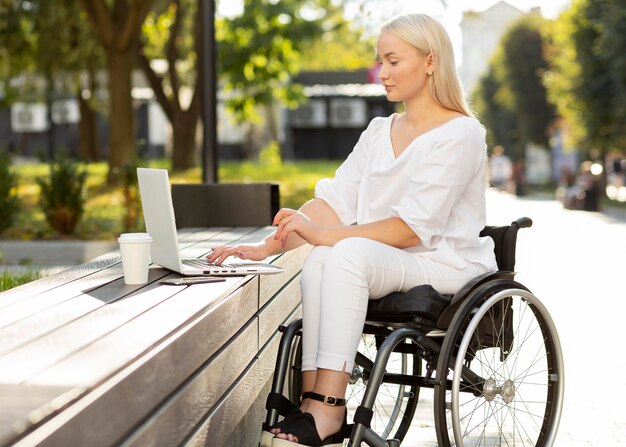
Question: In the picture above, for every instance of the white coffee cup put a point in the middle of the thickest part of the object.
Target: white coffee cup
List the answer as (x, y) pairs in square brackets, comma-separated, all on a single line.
[(135, 251)]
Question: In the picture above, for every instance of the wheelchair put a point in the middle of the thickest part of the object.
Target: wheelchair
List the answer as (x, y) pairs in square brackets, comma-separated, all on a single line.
[(490, 354)]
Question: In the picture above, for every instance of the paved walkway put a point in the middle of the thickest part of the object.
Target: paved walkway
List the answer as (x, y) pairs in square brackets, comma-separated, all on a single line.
[(575, 262)]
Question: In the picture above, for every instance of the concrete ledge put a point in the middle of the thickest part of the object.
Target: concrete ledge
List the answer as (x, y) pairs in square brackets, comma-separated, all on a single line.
[(52, 252)]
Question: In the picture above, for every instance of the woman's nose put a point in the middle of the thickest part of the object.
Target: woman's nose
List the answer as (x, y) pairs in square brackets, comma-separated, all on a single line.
[(382, 73)]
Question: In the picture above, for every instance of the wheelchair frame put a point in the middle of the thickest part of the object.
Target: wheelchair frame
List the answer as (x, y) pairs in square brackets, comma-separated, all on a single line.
[(477, 322)]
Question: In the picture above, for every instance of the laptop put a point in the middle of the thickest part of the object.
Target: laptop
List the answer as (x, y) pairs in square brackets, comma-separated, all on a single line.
[(158, 212)]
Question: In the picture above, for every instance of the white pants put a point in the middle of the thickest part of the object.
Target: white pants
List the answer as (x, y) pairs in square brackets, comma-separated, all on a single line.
[(337, 283)]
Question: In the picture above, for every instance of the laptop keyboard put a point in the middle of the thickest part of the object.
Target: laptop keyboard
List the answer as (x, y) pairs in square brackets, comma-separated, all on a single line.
[(206, 266)]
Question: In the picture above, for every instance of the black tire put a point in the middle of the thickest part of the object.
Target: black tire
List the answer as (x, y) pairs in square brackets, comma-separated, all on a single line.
[(500, 371)]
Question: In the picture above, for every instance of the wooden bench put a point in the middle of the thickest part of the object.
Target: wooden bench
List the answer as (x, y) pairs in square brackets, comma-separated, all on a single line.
[(86, 360)]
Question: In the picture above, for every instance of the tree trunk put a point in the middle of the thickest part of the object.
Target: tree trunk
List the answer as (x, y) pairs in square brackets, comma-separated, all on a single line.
[(88, 143), (184, 125), (121, 122), (88, 138)]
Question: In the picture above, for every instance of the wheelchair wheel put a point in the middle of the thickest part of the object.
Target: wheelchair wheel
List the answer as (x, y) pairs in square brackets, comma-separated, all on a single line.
[(395, 403), (502, 368)]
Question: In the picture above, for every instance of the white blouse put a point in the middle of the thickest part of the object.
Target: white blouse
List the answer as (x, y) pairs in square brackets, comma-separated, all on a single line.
[(436, 185)]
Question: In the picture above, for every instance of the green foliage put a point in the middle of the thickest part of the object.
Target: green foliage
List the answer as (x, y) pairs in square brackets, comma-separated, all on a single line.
[(341, 44), (46, 38), (62, 195), (9, 202), (296, 179), (496, 113), (9, 280), (170, 38), (169, 31), (260, 50), (105, 208), (587, 53), (270, 155), (525, 64), (512, 100)]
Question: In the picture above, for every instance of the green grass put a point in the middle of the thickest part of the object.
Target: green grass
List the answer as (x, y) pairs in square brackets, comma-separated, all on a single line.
[(9, 280), (105, 205)]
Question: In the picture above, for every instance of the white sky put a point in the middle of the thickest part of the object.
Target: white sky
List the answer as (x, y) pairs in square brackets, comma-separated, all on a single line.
[(450, 15)]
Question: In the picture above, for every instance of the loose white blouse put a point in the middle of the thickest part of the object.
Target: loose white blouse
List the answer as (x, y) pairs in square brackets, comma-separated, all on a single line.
[(436, 186)]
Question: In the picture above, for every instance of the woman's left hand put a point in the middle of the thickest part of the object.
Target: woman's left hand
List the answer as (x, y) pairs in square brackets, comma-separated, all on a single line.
[(291, 221)]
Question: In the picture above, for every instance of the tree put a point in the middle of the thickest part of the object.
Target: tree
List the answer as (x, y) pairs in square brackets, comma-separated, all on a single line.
[(17, 44), (525, 65), (495, 112), (260, 50), (172, 30), (48, 39), (613, 45), (341, 45), (587, 72), (118, 27), (513, 100)]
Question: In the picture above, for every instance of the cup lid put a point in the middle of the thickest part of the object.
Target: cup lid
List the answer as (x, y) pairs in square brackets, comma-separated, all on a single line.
[(134, 237)]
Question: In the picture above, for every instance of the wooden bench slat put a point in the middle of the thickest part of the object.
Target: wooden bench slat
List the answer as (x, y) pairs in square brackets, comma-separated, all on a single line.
[(273, 313), (76, 334), (21, 402), (32, 289), (45, 314), (124, 344), (221, 421), (177, 417), (141, 381), (37, 303)]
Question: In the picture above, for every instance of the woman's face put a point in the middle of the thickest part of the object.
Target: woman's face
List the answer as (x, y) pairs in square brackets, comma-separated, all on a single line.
[(403, 70)]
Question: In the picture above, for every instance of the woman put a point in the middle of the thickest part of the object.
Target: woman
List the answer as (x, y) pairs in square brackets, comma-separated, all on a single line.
[(404, 209)]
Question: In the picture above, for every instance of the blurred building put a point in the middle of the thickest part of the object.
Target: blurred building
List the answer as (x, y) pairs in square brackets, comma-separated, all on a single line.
[(482, 32), (340, 105), (327, 125)]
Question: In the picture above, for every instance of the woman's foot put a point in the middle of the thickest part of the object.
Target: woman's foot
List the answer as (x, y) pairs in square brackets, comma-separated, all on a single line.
[(274, 430), (324, 420), (287, 409)]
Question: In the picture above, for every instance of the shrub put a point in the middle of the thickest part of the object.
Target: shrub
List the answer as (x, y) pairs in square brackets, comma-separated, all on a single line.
[(270, 155), (62, 196), (9, 203)]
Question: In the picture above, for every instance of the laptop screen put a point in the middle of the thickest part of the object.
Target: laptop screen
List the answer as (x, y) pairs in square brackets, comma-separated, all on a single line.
[(158, 212)]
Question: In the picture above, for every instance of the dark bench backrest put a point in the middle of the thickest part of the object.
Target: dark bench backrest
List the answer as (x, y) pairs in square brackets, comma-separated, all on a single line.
[(225, 204), (505, 239)]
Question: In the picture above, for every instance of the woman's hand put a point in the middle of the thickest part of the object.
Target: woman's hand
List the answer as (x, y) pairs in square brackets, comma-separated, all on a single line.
[(256, 252), (291, 222)]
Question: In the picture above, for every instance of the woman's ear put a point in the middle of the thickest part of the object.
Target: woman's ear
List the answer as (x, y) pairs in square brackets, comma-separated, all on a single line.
[(430, 61)]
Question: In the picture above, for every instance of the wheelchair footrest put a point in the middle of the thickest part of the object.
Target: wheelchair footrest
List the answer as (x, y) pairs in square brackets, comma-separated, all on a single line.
[(403, 307)]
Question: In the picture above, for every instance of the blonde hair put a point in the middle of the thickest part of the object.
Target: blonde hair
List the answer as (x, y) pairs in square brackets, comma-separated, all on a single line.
[(428, 36)]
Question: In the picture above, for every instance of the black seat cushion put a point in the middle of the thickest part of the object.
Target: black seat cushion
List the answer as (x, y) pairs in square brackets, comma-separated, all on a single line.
[(400, 307)]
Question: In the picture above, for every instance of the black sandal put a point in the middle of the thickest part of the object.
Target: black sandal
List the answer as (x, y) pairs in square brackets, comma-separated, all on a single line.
[(303, 427), (285, 408)]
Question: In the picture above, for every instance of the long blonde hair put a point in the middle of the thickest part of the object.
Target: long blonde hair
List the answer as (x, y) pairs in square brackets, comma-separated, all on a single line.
[(428, 36)]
